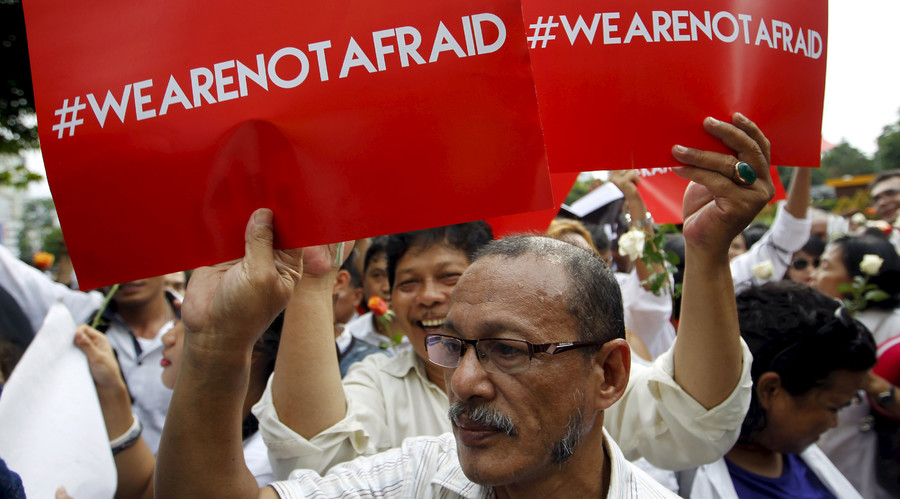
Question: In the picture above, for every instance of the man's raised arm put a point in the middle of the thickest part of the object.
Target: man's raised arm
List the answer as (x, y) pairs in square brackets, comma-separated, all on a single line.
[(226, 309), (717, 206)]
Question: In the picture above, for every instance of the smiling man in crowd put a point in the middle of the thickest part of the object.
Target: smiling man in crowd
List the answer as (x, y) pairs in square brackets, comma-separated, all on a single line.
[(885, 193)]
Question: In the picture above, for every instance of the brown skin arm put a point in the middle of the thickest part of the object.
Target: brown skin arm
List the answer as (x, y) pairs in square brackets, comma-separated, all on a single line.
[(875, 385), (226, 309), (798, 194), (307, 374), (134, 465), (707, 349)]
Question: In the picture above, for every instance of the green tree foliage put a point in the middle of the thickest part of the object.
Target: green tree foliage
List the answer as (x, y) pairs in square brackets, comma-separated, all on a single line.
[(17, 131), (39, 230), (18, 127), (17, 176), (888, 155), (578, 191), (845, 159), (786, 173)]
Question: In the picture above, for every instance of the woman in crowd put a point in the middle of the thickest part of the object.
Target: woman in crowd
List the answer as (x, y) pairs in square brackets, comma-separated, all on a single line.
[(134, 461), (805, 261), (852, 445), (809, 359), (776, 246)]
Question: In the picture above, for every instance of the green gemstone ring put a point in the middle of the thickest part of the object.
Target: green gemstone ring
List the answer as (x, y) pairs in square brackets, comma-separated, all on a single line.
[(743, 174)]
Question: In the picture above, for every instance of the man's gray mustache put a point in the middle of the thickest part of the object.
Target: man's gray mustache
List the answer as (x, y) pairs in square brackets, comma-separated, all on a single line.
[(484, 415)]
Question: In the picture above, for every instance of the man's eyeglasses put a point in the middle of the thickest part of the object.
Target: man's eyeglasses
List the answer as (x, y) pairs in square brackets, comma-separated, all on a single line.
[(802, 263), (497, 355), (884, 195)]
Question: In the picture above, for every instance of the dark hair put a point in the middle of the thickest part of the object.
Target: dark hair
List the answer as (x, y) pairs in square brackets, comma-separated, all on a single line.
[(675, 244), (266, 345), (815, 245), (593, 297), (467, 237), (854, 248), (754, 232), (377, 246), (350, 266), (882, 176), (794, 331), (601, 240)]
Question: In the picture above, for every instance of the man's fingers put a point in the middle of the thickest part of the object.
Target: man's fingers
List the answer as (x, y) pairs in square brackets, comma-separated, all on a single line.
[(747, 148), (259, 240), (86, 338), (753, 131), (713, 162)]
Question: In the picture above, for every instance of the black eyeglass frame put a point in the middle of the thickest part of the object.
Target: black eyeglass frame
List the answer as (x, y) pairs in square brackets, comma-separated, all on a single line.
[(548, 348)]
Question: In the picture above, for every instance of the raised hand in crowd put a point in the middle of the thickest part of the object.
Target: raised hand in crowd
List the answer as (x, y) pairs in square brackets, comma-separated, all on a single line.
[(226, 309), (134, 462), (726, 193)]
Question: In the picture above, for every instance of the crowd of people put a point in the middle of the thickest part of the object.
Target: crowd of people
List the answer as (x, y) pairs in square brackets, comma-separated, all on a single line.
[(771, 372)]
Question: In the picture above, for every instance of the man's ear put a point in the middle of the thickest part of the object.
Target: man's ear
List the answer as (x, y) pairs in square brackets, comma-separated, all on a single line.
[(357, 296), (341, 281), (767, 387), (611, 367)]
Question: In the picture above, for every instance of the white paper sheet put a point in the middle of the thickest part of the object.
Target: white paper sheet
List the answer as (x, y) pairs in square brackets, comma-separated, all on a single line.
[(597, 198), (52, 428)]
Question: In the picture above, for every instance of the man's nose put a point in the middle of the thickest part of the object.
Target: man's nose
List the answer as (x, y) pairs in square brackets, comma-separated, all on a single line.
[(470, 380)]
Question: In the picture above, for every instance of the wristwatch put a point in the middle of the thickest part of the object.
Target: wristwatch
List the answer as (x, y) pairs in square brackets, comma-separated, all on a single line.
[(886, 398)]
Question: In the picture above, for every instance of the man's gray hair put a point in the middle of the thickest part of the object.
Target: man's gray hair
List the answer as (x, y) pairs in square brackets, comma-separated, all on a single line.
[(593, 296)]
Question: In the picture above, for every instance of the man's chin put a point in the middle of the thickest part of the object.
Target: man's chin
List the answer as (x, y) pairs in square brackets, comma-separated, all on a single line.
[(484, 467)]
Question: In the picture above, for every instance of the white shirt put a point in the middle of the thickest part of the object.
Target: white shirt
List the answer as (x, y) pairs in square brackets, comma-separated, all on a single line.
[(713, 481), (390, 399), (428, 467), (787, 235), (363, 328), (35, 292), (646, 314), (257, 459), (850, 449), (143, 375)]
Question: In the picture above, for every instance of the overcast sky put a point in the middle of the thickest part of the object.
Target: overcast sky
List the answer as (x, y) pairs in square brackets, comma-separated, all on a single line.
[(862, 87), (862, 84)]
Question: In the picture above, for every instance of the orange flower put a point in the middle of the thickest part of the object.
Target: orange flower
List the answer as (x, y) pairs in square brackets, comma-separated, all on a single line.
[(42, 260), (378, 306)]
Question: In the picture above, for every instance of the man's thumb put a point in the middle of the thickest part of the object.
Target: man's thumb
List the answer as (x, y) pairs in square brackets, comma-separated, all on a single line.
[(259, 238)]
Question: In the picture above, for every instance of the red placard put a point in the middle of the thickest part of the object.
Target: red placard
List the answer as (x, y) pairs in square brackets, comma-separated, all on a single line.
[(663, 193), (620, 82), (165, 124), (536, 221)]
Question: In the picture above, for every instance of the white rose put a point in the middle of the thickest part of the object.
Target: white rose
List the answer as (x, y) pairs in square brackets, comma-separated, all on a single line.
[(859, 219), (631, 244), (764, 270), (871, 264)]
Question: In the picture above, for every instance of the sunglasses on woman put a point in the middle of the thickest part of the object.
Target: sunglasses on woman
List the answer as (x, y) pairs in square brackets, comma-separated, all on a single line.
[(802, 263)]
